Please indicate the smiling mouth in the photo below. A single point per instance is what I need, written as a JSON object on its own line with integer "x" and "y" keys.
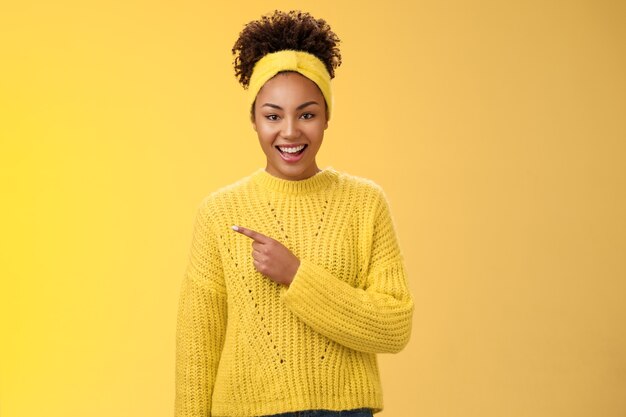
{"x": 291, "y": 150}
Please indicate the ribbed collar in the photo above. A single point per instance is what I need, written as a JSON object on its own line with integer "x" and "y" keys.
{"x": 320, "y": 180}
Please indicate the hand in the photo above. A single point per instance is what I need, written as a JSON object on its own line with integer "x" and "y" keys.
{"x": 271, "y": 258}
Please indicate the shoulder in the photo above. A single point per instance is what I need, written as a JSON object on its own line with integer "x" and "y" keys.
{"x": 224, "y": 197}
{"x": 367, "y": 197}
{"x": 228, "y": 192}
{"x": 361, "y": 187}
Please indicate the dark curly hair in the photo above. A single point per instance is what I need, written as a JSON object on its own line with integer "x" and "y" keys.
{"x": 275, "y": 32}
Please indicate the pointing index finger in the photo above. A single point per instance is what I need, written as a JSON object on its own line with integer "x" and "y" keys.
{"x": 256, "y": 236}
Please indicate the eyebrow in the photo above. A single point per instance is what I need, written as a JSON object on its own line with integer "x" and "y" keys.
{"x": 300, "y": 107}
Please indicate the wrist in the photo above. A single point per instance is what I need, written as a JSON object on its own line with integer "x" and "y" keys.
{"x": 292, "y": 275}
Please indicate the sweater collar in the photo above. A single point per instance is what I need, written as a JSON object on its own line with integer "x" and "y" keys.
{"x": 320, "y": 180}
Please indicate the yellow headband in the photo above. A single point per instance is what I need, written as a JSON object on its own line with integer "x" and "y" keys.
{"x": 287, "y": 60}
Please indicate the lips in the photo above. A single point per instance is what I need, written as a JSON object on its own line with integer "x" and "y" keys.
{"x": 291, "y": 153}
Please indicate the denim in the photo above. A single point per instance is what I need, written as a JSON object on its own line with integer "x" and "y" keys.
{"x": 360, "y": 412}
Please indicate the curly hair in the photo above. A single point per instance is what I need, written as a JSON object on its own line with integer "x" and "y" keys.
{"x": 295, "y": 30}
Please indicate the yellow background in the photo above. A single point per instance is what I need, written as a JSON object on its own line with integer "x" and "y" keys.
{"x": 497, "y": 129}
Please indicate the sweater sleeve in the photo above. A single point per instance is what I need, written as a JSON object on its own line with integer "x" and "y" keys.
{"x": 374, "y": 319}
{"x": 201, "y": 323}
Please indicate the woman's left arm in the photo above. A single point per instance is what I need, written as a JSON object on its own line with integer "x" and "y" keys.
{"x": 376, "y": 318}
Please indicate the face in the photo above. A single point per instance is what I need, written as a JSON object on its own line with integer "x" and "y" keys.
{"x": 290, "y": 119}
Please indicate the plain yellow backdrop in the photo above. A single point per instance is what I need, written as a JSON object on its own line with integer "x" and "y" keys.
{"x": 496, "y": 128}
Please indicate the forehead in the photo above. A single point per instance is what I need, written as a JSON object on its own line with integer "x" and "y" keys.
{"x": 287, "y": 87}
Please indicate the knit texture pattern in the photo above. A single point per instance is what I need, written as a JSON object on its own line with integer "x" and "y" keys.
{"x": 246, "y": 346}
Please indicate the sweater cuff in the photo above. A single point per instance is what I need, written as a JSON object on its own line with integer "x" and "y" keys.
{"x": 369, "y": 320}
{"x": 309, "y": 280}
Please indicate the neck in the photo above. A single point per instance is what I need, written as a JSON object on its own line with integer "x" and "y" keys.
{"x": 297, "y": 177}
{"x": 321, "y": 179}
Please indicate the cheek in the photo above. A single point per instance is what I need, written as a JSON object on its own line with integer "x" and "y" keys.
{"x": 265, "y": 134}
{"x": 317, "y": 132}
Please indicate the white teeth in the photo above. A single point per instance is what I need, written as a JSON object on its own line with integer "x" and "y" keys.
{"x": 291, "y": 149}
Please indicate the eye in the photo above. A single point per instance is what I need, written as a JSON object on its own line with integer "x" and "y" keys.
{"x": 272, "y": 117}
{"x": 307, "y": 116}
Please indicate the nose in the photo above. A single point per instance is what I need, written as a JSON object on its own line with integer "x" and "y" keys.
{"x": 290, "y": 129}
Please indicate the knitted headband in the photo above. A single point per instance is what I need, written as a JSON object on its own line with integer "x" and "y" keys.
{"x": 288, "y": 60}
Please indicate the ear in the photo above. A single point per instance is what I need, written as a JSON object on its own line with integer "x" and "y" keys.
{"x": 326, "y": 115}
{"x": 252, "y": 118}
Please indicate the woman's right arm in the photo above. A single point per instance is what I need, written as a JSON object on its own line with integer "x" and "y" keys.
{"x": 201, "y": 322}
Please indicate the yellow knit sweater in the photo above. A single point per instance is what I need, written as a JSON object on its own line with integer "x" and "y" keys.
{"x": 246, "y": 346}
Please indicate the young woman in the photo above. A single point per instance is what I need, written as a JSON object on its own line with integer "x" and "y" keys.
{"x": 295, "y": 279}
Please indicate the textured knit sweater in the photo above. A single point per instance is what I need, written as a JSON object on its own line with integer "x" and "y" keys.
{"x": 246, "y": 346}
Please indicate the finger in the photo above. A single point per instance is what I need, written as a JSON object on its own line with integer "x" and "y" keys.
{"x": 257, "y": 265}
{"x": 256, "y": 236}
{"x": 259, "y": 256}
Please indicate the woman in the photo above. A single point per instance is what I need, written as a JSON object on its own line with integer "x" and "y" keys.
{"x": 295, "y": 279}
